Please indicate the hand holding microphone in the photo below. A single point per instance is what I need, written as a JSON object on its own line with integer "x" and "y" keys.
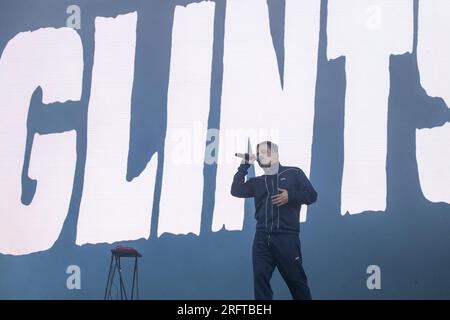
{"x": 247, "y": 158}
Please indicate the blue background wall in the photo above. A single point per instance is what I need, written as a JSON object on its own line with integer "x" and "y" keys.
{"x": 410, "y": 241}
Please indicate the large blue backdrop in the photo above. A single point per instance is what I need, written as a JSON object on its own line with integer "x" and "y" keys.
{"x": 409, "y": 241}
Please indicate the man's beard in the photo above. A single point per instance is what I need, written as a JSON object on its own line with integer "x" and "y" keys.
{"x": 271, "y": 167}
{"x": 267, "y": 165}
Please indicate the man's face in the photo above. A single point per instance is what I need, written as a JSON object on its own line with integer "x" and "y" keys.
{"x": 264, "y": 155}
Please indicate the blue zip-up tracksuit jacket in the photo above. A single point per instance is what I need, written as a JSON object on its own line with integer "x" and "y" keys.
{"x": 271, "y": 218}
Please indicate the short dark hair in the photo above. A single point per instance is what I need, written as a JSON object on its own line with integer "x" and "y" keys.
{"x": 272, "y": 146}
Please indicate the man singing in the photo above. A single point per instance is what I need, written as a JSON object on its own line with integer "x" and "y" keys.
{"x": 278, "y": 194}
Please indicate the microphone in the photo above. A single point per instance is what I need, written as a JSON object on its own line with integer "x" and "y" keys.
{"x": 245, "y": 156}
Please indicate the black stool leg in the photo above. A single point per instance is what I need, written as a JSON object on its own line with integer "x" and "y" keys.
{"x": 122, "y": 285}
{"x": 112, "y": 276}
{"x": 108, "y": 284}
{"x": 135, "y": 279}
